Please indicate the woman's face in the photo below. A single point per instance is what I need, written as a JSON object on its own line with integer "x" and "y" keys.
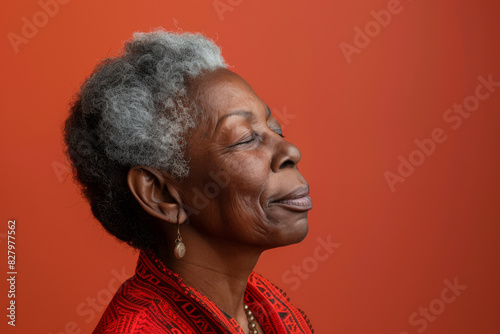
{"x": 243, "y": 184}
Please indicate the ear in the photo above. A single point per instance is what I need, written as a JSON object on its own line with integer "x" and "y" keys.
{"x": 157, "y": 193}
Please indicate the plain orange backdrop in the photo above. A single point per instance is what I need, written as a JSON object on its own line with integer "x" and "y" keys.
{"x": 352, "y": 120}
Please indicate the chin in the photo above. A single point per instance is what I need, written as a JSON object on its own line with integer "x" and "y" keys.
{"x": 292, "y": 234}
{"x": 302, "y": 231}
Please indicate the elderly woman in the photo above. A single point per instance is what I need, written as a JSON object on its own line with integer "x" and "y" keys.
{"x": 180, "y": 159}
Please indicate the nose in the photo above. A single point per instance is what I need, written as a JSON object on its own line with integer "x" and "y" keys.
{"x": 286, "y": 155}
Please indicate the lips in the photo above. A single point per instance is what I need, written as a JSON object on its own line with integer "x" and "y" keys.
{"x": 296, "y": 200}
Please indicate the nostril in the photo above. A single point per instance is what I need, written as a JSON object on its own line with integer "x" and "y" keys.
{"x": 287, "y": 163}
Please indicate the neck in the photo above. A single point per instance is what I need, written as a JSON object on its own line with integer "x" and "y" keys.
{"x": 216, "y": 268}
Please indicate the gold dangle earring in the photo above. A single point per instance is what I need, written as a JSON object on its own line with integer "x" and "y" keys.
{"x": 179, "y": 249}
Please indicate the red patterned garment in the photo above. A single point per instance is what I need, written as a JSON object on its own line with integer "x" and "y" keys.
{"x": 155, "y": 300}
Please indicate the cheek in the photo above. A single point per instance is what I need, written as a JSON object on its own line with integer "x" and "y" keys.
{"x": 250, "y": 174}
{"x": 240, "y": 201}
{"x": 247, "y": 182}
{"x": 244, "y": 217}
{"x": 228, "y": 189}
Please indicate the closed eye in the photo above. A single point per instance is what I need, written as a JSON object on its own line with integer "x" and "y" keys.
{"x": 246, "y": 141}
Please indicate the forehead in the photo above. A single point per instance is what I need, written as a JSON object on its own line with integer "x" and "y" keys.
{"x": 222, "y": 91}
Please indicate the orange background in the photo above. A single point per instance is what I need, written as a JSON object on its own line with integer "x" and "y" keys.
{"x": 394, "y": 249}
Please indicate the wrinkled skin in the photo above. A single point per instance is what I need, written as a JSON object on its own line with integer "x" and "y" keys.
{"x": 239, "y": 144}
{"x": 244, "y": 193}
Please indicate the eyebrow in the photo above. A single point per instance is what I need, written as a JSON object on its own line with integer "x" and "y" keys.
{"x": 243, "y": 113}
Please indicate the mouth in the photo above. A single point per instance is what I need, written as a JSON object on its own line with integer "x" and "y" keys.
{"x": 297, "y": 200}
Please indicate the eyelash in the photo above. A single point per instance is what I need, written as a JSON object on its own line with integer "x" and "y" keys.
{"x": 254, "y": 136}
{"x": 248, "y": 141}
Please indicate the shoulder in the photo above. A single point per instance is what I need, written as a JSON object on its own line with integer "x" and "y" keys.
{"x": 139, "y": 321}
{"x": 139, "y": 308}
{"x": 145, "y": 305}
{"x": 129, "y": 307}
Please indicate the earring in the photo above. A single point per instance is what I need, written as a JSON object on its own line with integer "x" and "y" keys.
{"x": 179, "y": 249}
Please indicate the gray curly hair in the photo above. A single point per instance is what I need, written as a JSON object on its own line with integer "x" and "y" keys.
{"x": 134, "y": 110}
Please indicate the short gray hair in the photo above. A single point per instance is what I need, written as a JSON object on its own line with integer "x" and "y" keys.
{"x": 135, "y": 110}
{"x": 141, "y": 98}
